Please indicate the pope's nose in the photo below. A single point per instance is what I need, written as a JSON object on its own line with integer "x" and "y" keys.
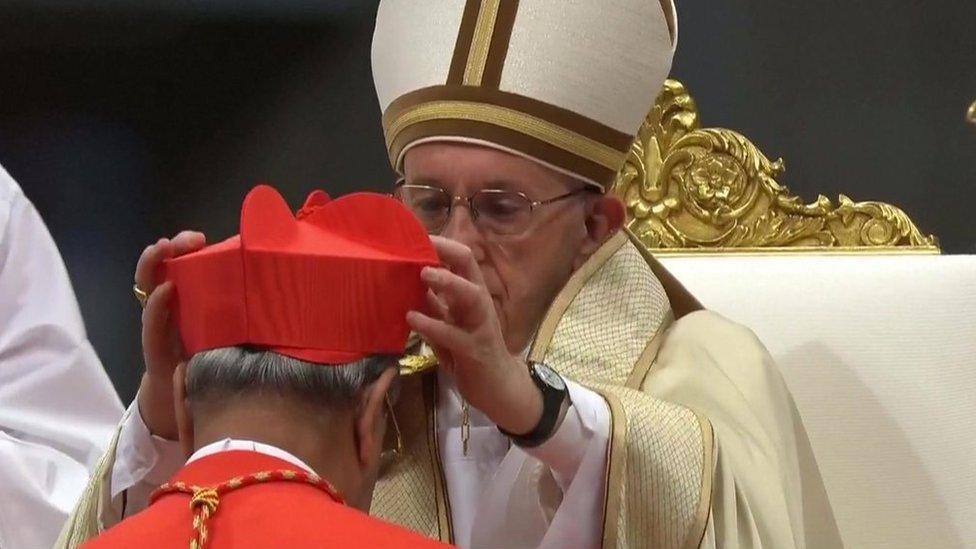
{"x": 461, "y": 227}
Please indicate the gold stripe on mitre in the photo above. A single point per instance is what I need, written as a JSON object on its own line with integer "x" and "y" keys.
{"x": 481, "y": 43}
{"x": 521, "y": 122}
{"x": 555, "y": 136}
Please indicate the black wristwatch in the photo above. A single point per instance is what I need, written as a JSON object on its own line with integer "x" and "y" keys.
{"x": 555, "y": 400}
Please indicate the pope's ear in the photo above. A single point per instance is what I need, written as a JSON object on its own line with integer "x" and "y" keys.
{"x": 605, "y": 215}
{"x": 370, "y": 420}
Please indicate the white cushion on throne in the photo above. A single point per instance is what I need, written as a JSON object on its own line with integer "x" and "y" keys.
{"x": 880, "y": 354}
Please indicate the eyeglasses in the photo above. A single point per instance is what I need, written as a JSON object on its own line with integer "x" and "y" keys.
{"x": 492, "y": 210}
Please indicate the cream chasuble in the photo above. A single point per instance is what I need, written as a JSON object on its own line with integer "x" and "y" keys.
{"x": 704, "y": 448}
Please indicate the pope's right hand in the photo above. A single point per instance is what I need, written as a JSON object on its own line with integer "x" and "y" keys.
{"x": 161, "y": 347}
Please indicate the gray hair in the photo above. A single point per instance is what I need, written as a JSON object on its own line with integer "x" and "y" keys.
{"x": 241, "y": 371}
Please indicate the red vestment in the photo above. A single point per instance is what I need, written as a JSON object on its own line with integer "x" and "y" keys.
{"x": 266, "y": 515}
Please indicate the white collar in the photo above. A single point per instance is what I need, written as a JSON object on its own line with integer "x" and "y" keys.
{"x": 229, "y": 444}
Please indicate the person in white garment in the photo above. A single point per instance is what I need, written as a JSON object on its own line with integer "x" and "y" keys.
{"x": 58, "y": 409}
{"x": 581, "y": 397}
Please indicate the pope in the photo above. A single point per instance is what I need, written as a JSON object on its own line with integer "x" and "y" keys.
{"x": 582, "y": 397}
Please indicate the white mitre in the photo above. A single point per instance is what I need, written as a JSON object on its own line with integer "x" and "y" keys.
{"x": 564, "y": 82}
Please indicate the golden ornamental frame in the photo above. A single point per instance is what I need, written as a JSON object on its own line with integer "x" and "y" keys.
{"x": 692, "y": 189}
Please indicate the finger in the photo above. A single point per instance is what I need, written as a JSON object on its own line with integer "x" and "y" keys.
{"x": 458, "y": 258}
{"x": 437, "y": 333}
{"x": 188, "y": 241}
{"x": 436, "y": 307}
{"x": 152, "y": 257}
{"x": 158, "y": 332}
{"x": 464, "y": 299}
{"x": 148, "y": 264}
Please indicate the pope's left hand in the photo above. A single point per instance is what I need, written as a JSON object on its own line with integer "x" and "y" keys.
{"x": 462, "y": 328}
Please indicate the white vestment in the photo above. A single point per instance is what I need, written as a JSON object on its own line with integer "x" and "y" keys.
{"x": 58, "y": 409}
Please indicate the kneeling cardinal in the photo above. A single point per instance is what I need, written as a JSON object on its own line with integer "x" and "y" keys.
{"x": 294, "y": 328}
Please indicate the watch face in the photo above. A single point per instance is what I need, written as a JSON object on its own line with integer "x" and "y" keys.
{"x": 549, "y": 376}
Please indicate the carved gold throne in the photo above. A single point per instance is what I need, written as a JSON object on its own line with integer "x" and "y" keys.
{"x": 870, "y": 326}
{"x": 689, "y": 188}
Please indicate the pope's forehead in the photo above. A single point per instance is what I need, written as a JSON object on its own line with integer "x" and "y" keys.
{"x": 476, "y": 166}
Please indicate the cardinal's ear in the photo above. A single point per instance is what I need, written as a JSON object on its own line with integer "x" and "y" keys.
{"x": 266, "y": 218}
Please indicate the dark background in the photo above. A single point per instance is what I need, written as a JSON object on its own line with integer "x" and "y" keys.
{"x": 127, "y": 120}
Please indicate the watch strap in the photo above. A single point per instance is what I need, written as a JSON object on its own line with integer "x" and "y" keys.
{"x": 552, "y": 408}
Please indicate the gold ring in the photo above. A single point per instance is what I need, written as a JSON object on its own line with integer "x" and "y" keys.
{"x": 142, "y": 296}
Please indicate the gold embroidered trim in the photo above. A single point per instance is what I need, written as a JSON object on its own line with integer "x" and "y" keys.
{"x": 540, "y": 345}
{"x": 616, "y": 464}
{"x": 445, "y": 526}
{"x": 510, "y": 119}
{"x": 481, "y": 43}
{"x": 648, "y": 356}
{"x": 697, "y": 530}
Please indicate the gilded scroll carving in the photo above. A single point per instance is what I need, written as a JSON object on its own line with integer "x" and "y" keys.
{"x": 692, "y": 188}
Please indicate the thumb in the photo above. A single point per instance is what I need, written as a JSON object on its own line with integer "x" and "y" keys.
{"x": 158, "y": 333}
